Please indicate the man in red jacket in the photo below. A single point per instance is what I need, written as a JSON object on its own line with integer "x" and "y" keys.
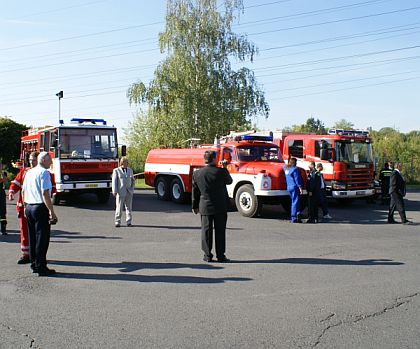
{"x": 15, "y": 187}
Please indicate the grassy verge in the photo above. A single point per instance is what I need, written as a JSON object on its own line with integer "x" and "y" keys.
{"x": 413, "y": 186}
{"x": 141, "y": 185}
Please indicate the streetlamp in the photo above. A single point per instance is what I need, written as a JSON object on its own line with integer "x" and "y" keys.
{"x": 59, "y": 95}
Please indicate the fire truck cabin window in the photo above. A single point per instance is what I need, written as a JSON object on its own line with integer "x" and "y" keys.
{"x": 322, "y": 145}
{"x": 296, "y": 148}
{"x": 259, "y": 153}
{"x": 87, "y": 143}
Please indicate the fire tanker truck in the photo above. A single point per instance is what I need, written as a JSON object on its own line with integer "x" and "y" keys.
{"x": 83, "y": 153}
{"x": 253, "y": 161}
{"x": 346, "y": 156}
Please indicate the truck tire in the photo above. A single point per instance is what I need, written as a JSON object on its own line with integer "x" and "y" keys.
{"x": 55, "y": 200}
{"x": 247, "y": 202}
{"x": 177, "y": 191}
{"x": 162, "y": 188}
{"x": 103, "y": 196}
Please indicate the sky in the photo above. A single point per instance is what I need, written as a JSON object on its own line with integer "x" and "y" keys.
{"x": 327, "y": 59}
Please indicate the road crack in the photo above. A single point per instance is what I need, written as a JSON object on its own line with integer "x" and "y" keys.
{"x": 11, "y": 329}
{"x": 399, "y": 301}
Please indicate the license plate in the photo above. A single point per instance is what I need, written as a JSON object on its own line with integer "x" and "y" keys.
{"x": 91, "y": 185}
{"x": 360, "y": 193}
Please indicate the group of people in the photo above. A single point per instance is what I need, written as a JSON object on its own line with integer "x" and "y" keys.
{"x": 315, "y": 187}
{"x": 34, "y": 185}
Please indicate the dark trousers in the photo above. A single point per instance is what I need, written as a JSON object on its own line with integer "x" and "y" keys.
{"x": 218, "y": 221}
{"x": 314, "y": 201}
{"x": 396, "y": 203}
{"x": 39, "y": 234}
{"x": 3, "y": 221}
{"x": 323, "y": 202}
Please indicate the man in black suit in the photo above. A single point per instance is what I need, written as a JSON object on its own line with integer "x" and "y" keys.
{"x": 397, "y": 192}
{"x": 210, "y": 198}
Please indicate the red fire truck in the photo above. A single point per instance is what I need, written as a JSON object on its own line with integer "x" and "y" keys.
{"x": 346, "y": 156}
{"x": 254, "y": 162}
{"x": 84, "y": 153}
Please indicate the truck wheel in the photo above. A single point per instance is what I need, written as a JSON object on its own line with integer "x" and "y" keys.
{"x": 177, "y": 191}
{"x": 285, "y": 203}
{"x": 162, "y": 188}
{"x": 103, "y": 196}
{"x": 55, "y": 200}
{"x": 246, "y": 202}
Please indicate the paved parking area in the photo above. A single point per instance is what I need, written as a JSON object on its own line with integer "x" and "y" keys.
{"x": 350, "y": 283}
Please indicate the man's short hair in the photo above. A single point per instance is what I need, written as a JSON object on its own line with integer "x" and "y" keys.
{"x": 42, "y": 155}
{"x": 319, "y": 165}
{"x": 209, "y": 156}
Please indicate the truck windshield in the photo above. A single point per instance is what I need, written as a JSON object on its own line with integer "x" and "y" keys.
{"x": 83, "y": 143}
{"x": 259, "y": 153}
{"x": 356, "y": 152}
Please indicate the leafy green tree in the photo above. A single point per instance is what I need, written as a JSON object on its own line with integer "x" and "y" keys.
{"x": 344, "y": 124}
{"x": 195, "y": 91}
{"x": 10, "y": 133}
{"x": 310, "y": 126}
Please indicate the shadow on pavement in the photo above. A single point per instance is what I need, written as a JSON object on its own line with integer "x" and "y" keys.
{"x": 61, "y": 234}
{"x": 323, "y": 261}
{"x": 175, "y": 279}
{"x": 128, "y": 267}
{"x": 13, "y": 236}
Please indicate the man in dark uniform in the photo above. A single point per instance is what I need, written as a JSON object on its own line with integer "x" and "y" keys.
{"x": 210, "y": 198}
{"x": 314, "y": 192}
{"x": 3, "y": 220}
{"x": 384, "y": 177}
{"x": 397, "y": 192}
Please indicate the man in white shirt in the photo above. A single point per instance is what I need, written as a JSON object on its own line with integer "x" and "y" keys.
{"x": 39, "y": 211}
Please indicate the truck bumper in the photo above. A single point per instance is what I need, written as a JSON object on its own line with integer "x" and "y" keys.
{"x": 66, "y": 187}
{"x": 274, "y": 192}
{"x": 343, "y": 194}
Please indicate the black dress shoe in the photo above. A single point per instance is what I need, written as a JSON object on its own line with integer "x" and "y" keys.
{"x": 391, "y": 221}
{"x": 117, "y": 225}
{"x": 3, "y": 233}
{"x": 407, "y": 222}
{"x": 23, "y": 260}
{"x": 223, "y": 260}
{"x": 46, "y": 272}
{"x": 207, "y": 259}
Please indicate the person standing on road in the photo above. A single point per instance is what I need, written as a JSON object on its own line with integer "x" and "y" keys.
{"x": 294, "y": 187}
{"x": 210, "y": 198}
{"x": 15, "y": 187}
{"x": 397, "y": 191}
{"x": 322, "y": 194}
{"x": 314, "y": 189}
{"x": 3, "y": 219}
{"x": 123, "y": 190}
{"x": 39, "y": 211}
{"x": 384, "y": 177}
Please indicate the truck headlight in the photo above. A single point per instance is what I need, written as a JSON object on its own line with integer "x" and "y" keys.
{"x": 338, "y": 186}
{"x": 66, "y": 177}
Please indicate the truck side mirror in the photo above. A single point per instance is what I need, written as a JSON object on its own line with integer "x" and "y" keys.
{"x": 123, "y": 150}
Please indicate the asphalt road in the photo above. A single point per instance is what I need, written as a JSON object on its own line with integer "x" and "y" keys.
{"x": 350, "y": 283}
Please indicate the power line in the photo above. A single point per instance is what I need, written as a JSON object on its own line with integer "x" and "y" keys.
{"x": 81, "y": 36}
{"x": 311, "y": 13}
{"x": 344, "y": 89}
{"x": 57, "y": 10}
{"x": 267, "y": 4}
{"x": 336, "y": 21}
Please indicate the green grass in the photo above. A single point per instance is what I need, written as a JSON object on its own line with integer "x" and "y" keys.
{"x": 140, "y": 184}
{"x": 413, "y": 186}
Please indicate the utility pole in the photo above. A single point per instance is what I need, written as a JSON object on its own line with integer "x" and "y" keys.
{"x": 59, "y": 95}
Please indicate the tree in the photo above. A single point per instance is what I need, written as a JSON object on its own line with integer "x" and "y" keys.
{"x": 310, "y": 126}
{"x": 10, "y": 133}
{"x": 195, "y": 91}
{"x": 344, "y": 124}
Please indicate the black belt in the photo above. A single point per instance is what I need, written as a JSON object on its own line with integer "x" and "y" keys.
{"x": 35, "y": 204}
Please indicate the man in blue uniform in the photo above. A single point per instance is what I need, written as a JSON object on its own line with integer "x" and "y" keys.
{"x": 294, "y": 187}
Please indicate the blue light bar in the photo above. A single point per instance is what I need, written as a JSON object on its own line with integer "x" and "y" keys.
{"x": 92, "y": 121}
{"x": 257, "y": 138}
